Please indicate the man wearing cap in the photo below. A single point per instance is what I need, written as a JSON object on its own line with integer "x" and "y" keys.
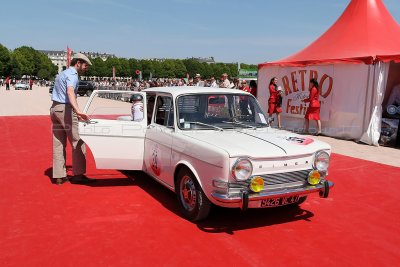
{"x": 198, "y": 81}
{"x": 65, "y": 114}
{"x": 225, "y": 83}
{"x": 213, "y": 82}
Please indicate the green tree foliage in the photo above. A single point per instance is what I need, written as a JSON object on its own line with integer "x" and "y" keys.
{"x": 99, "y": 68}
{"x": 25, "y": 61}
{"x": 5, "y": 59}
{"x": 46, "y": 69}
{"x": 28, "y": 61}
{"x": 134, "y": 65}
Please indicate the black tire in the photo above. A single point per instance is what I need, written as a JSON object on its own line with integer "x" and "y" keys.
{"x": 193, "y": 202}
{"x": 89, "y": 92}
{"x": 81, "y": 94}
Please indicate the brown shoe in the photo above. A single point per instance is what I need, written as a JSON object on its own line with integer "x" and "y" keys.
{"x": 60, "y": 181}
{"x": 82, "y": 179}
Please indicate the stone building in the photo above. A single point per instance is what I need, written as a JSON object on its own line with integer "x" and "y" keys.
{"x": 59, "y": 58}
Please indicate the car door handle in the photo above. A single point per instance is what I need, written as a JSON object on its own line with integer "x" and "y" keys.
{"x": 90, "y": 122}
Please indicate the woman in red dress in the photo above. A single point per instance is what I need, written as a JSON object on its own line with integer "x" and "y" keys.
{"x": 274, "y": 101}
{"x": 314, "y": 108}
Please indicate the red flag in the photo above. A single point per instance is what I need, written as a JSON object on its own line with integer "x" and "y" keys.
{"x": 69, "y": 51}
{"x": 113, "y": 73}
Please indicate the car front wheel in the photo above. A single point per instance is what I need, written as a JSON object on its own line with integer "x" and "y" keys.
{"x": 89, "y": 92}
{"x": 192, "y": 200}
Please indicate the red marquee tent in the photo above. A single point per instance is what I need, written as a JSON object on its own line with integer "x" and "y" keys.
{"x": 351, "y": 61}
{"x": 365, "y": 32}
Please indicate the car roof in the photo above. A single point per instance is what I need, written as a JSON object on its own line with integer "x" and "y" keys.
{"x": 179, "y": 90}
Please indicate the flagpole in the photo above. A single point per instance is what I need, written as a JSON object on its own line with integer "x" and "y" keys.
{"x": 68, "y": 57}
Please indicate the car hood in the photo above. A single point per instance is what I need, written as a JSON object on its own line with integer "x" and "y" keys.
{"x": 260, "y": 143}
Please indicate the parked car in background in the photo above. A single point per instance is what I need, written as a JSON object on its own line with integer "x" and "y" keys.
{"x": 211, "y": 146}
{"x": 84, "y": 88}
{"x": 21, "y": 86}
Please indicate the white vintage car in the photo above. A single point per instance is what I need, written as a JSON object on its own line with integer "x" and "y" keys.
{"x": 21, "y": 86}
{"x": 208, "y": 145}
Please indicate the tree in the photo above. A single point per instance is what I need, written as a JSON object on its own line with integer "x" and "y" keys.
{"x": 134, "y": 65}
{"x": 180, "y": 69}
{"x": 5, "y": 59}
{"x": 25, "y": 57}
{"x": 192, "y": 66}
{"x": 46, "y": 69}
{"x": 98, "y": 68}
{"x": 14, "y": 67}
{"x": 147, "y": 68}
{"x": 28, "y": 61}
{"x": 124, "y": 68}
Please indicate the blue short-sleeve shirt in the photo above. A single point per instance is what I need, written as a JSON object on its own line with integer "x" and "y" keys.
{"x": 68, "y": 77}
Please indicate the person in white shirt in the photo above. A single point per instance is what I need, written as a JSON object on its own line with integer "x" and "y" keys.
{"x": 198, "y": 81}
{"x": 225, "y": 82}
{"x": 213, "y": 83}
{"x": 137, "y": 107}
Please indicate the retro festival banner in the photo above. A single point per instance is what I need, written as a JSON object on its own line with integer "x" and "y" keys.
{"x": 295, "y": 83}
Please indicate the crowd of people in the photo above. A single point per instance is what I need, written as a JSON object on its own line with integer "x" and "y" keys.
{"x": 9, "y": 82}
{"x": 275, "y": 93}
{"x": 197, "y": 80}
{"x": 274, "y": 101}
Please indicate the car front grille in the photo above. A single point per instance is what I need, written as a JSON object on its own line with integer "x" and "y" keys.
{"x": 286, "y": 177}
{"x": 275, "y": 181}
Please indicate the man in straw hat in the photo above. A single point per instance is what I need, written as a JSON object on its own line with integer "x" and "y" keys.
{"x": 225, "y": 83}
{"x": 65, "y": 114}
{"x": 198, "y": 81}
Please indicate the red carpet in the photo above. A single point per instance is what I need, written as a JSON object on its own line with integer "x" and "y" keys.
{"x": 127, "y": 222}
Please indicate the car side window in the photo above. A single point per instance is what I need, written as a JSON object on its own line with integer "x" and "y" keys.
{"x": 151, "y": 99}
{"x": 164, "y": 111}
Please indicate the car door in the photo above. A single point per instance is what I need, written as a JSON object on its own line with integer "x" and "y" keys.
{"x": 116, "y": 141}
{"x": 158, "y": 142}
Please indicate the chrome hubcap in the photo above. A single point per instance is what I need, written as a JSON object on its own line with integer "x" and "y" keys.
{"x": 188, "y": 194}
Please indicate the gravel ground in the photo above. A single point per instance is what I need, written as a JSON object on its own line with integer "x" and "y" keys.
{"x": 38, "y": 102}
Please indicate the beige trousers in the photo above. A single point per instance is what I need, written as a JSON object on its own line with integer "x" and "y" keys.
{"x": 65, "y": 125}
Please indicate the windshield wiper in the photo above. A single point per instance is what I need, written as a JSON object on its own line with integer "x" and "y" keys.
{"x": 205, "y": 124}
{"x": 240, "y": 123}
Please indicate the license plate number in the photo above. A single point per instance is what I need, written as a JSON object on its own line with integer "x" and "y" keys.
{"x": 279, "y": 201}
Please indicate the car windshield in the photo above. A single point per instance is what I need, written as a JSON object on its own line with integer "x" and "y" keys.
{"x": 219, "y": 111}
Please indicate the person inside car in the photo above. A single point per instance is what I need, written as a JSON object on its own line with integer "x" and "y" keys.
{"x": 137, "y": 107}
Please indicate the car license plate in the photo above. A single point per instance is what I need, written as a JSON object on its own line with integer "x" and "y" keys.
{"x": 279, "y": 201}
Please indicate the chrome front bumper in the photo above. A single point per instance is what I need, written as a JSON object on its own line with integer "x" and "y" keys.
{"x": 246, "y": 199}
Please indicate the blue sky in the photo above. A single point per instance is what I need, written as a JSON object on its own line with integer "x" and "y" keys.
{"x": 250, "y": 31}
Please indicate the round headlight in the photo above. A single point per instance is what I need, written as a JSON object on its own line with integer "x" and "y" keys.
{"x": 321, "y": 161}
{"x": 242, "y": 169}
